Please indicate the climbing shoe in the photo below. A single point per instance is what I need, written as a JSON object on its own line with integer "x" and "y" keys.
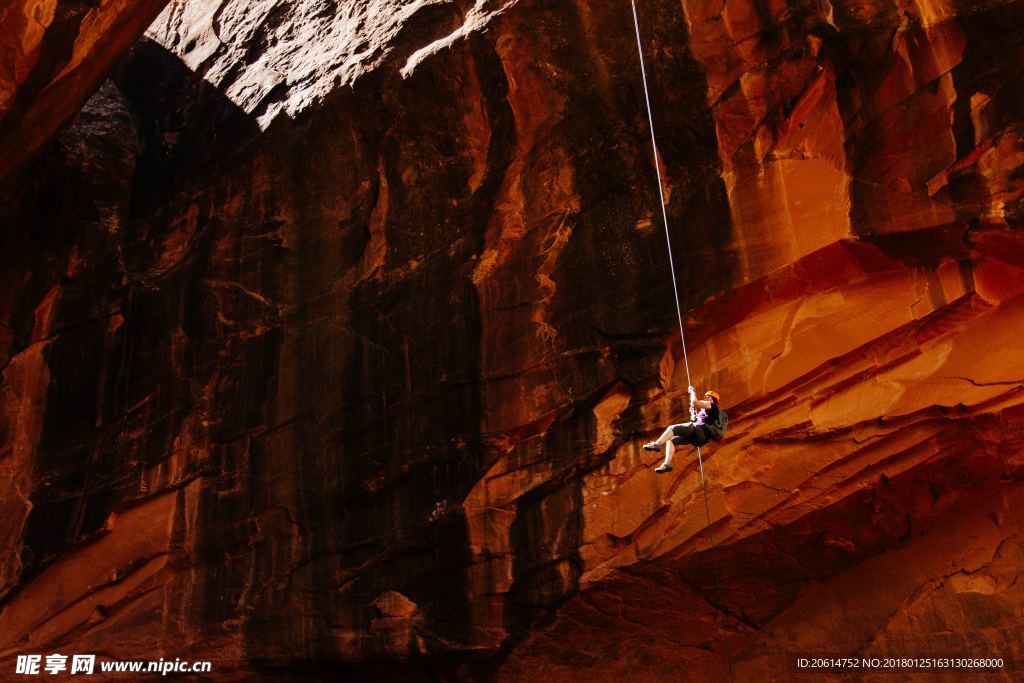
{"x": 664, "y": 469}
{"x": 651, "y": 446}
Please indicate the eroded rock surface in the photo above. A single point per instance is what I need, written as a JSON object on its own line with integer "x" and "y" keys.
{"x": 337, "y": 350}
{"x": 272, "y": 57}
{"x": 53, "y": 56}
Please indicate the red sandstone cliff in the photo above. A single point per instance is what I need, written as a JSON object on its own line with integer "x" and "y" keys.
{"x": 330, "y": 332}
{"x": 53, "y": 56}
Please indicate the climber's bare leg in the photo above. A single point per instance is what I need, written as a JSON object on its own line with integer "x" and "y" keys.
{"x": 666, "y": 436}
{"x": 670, "y": 451}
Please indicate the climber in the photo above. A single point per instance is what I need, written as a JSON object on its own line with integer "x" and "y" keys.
{"x": 710, "y": 423}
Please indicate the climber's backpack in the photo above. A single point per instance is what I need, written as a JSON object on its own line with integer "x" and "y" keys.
{"x": 717, "y": 428}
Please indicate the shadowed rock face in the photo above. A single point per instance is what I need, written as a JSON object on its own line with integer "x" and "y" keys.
{"x": 53, "y": 56}
{"x": 330, "y": 332}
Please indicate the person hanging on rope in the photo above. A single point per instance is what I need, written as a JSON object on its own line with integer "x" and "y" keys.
{"x": 709, "y": 423}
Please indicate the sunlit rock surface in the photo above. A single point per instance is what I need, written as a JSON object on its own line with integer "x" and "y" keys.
{"x": 331, "y": 331}
{"x": 272, "y": 57}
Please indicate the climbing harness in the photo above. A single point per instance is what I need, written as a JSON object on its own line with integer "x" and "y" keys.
{"x": 679, "y": 314}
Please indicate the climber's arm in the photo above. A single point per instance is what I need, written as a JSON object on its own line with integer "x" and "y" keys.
{"x": 697, "y": 402}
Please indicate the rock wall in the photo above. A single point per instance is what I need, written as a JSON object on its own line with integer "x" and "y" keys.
{"x": 331, "y": 331}
{"x": 53, "y": 55}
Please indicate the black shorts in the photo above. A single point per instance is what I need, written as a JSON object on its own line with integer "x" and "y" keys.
{"x": 689, "y": 434}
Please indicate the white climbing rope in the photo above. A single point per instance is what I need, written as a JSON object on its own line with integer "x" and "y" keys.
{"x": 679, "y": 309}
{"x": 661, "y": 192}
